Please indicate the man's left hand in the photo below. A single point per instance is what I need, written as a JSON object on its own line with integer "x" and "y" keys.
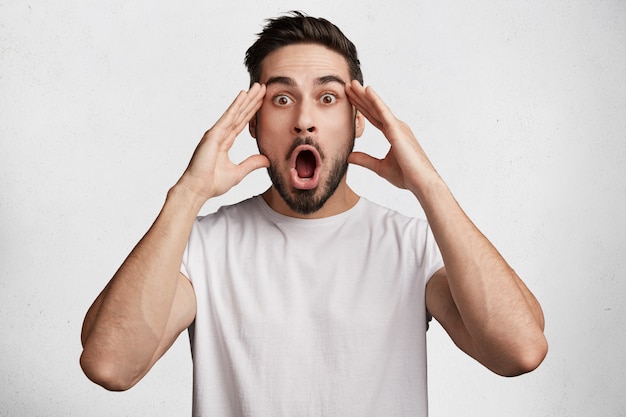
{"x": 405, "y": 165}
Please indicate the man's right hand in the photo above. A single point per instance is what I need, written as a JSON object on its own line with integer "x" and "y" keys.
{"x": 211, "y": 172}
{"x": 148, "y": 302}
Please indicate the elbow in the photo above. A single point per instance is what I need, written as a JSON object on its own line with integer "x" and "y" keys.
{"x": 105, "y": 373}
{"x": 526, "y": 360}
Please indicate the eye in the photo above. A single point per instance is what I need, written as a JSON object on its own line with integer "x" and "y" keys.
{"x": 328, "y": 98}
{"x": 282, "y": 100}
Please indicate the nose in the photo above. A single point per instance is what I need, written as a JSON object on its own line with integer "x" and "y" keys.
{"x": 304, "y": 120}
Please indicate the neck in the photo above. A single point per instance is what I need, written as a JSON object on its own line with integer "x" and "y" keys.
{"x": 343, "y": 199}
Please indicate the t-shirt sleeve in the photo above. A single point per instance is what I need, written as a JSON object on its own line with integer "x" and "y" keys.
{"x": 431, "y": 260}
{"x": 184, "y": 265}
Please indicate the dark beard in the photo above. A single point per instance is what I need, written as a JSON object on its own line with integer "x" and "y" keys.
{"x": 309, "y": 201}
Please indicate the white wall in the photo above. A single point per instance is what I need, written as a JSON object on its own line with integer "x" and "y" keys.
{"x": 521, "y": 106}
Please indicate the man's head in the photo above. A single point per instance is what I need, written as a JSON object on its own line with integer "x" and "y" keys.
{"x": 306, "y": 125}
{"x": 298, "y": 28}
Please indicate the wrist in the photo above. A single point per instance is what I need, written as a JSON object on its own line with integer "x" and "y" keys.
{"x": 427, "y": 184}
{"x": 187, "y": 195}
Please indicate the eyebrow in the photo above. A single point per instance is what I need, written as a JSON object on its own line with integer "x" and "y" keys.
{"x": 327, "y": 79}
{"x": 287, "y": 81}
{"x": 290, "y": 82}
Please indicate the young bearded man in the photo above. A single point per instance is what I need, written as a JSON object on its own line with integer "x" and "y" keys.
{"x": 308, "y": 299}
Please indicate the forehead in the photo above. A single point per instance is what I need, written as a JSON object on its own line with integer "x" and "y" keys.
{"x": 304, "y": 61}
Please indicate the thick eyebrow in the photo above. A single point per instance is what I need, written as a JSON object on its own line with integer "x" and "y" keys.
{"x": 290, "y": 82}
{"x": 327, "y": 79}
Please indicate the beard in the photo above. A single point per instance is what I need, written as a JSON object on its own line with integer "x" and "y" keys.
{"x": 309, "y": 201}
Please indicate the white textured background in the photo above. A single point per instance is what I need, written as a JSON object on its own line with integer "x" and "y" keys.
{"x": 520, "y": 105}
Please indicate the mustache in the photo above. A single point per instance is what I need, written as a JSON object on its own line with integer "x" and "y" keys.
{"x": 299, "y": 141}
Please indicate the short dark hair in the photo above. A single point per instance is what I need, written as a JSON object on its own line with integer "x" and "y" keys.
{"x": 298, "y": 28}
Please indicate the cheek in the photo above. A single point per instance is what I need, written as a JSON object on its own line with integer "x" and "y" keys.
{"x": 341, "y": 118}
{"x": 267, "y": 139}
{"x": 271, "y": 122}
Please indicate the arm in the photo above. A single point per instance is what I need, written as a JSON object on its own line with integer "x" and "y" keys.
{"x": 148, "y": 302}
{"x": 480, "y": 301}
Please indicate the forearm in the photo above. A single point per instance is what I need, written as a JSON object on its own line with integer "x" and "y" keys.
{"x": 499, "y": 312}
{"x": 484, "y": 306}
{"x": 125, "y": 326}
{"x": 148, "y": 302}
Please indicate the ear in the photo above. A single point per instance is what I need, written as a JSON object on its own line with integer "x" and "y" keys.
{"x": 359, "y": 124}
{"x": 252, "y": 126}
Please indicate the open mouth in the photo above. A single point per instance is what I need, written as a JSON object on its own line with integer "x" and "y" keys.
{"x": 305, "y": 165}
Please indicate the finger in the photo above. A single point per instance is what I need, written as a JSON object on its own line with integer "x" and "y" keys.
{"x": 365, "y": 111}
{"x": 380, "y": 107}
{"x": 253, "y": 104}
{"x": 252, "y": 163}
{"x": 231, "y": 112}
{"x": 253, "y": 97}
{"x": 359, "y": 98}
{"x": 364, "y": 160}
{"x": 356, "y": 95}
{"x": 240, "y": 112}
{"x": 239, "y": 105}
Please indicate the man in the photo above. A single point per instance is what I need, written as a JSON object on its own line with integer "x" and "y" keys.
{"x": 308, "y": 299}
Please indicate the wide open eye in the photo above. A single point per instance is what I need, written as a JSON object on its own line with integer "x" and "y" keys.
{"x": 328, "y": 98}
{"x": 282, "y": 100}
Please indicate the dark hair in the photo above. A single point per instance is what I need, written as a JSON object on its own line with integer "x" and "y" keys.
{"x": 298, "y": 28}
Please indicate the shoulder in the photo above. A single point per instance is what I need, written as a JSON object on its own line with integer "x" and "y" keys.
{"x": 388, "y": 217}
{"x": 409, "y": 233}
{"x": 228, "y": 219}
{"x": 242, "y": 209}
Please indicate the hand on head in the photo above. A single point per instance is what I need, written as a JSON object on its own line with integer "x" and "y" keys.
{"x": 211, "y": 172}
{"x": 405, "y": 165}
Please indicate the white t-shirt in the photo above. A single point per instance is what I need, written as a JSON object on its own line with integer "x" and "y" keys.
{"x": 322, "y": 317}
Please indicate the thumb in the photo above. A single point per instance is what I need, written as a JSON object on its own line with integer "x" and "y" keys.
{"x": 253, "y": 163}
{"x": 364, "y": 160}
